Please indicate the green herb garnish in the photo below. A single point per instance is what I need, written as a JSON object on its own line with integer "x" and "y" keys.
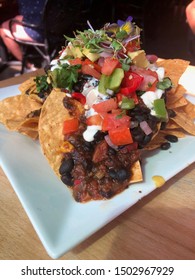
{"x": 64, "y": 76}
{"x": 41, "y": 83}
{"x": 165, "y": 84}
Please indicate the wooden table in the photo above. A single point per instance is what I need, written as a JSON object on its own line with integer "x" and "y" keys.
{"x": 160, "y": 226}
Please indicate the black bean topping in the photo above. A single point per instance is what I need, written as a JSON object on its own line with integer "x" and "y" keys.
{"x": 165, "y": 146}
{"x": 163, "y": 125}
{"x": 171, "y": 138}
{"x": 138, "y": 138}
{"x": 66, "y": 166}
{"x": 122, "y": 174}
{"x": 140, "y": 118}
{"x": 147, "y": 139}
{"x": 67, "y": 179}
{"x": 112, "y": 173}
{"x": 78, "y": 87}
{"x": 107, "y": 194}
{"x": 171, "y": 113}
{"x": 41, "y": 94}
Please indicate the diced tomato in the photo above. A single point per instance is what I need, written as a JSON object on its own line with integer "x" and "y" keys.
{"x": 70, "y": 125}
{"x": 106, "y": 106}
{"x": 80, "y": 97}
{"x": 120, "y": 136}
{"x": 94, "y": 120}
{"x": 87, "y": 61}
{"x": 131, "y": 80}
{"x": 109, "y": 65}
{"x": 75, "y": 61}
{"x": 112, "y": 121}
{"x": 149, "y": 77}
{"x": 89, "y": 69}
{"x": 93, "y": 64}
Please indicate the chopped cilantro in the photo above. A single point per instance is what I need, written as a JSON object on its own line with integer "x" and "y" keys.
{"x": 41, "y": 83}
{"x": 64, "y": 76}
{"x": 126, "y": 63}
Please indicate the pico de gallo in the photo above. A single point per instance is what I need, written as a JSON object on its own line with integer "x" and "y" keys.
{"x": 124, "y": 96}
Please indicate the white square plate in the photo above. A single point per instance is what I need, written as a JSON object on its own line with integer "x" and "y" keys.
{"x": 60, "y": 222}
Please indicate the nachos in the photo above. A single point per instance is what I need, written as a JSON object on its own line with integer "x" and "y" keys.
{"x": 100, "y": 104}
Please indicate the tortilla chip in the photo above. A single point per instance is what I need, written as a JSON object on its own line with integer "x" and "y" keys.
{"x": 30, "y": 133}
{"x": 172, "y": 125}
{"x": 174, "y": 68}
{"x": 189, "y": 109}
{"x": 176, "y": 132}
{"x": 14, "y": 114}
{"x": 28, "y": 85}
{"x": 156, "y": 142}
{"x": 183, "y": 120}
{"x": 17, "y": 108}
{"x": 51, "y": 122}
{"x": 136, "y": 171}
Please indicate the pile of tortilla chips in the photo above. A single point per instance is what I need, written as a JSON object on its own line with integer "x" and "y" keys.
{"x": 29, "y": 115}
{"x": 21, "y": 113}
{"x": 183, "y": 122}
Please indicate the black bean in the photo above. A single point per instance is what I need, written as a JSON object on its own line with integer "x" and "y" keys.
{"x": 165, "y": 146}
{"x": 138, "y": 138}
{"x": 147, "y": 139}
{"x": 112, "y": 173}
{"x": 66, "y": 166}
{"x": 111, "y": 151}
{"x": 67, "y": 179}
{"x": 87, "y": 146}
{"x": 107, "y": 194}
{"x": 153, "y": 118}
{"x": 122, "y": 174}
{"x": 140, "y": 118}
{"x": 163, "y": 125}
{"x": 78, "y": 87}
{"x": 171, "y": 138}
{"x": 171, "y": 113}
{"x": 41, "y": 94}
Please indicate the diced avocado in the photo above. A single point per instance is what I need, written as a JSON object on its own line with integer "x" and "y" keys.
{"x": 92, "y": 56}
{"x": 76, "y": 52}
{"x": 139, "y": 58}
{"x": 103, "y": 84}
{"x": 115, "y": 79}
{"x": 160, "y": 109}
{"x": 111, "y": 82}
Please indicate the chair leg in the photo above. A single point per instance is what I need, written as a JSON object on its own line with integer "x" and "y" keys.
{"x": 24, "y": 57}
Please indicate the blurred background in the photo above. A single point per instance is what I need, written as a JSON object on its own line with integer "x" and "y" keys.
{"x": 165, "y": 31}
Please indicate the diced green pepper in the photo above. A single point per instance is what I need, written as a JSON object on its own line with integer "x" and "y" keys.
{"x": 127, "y": 103}
{"x": 160, "y": 109}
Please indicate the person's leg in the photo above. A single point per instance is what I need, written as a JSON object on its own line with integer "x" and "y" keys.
{"x": 8, "y": 39}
